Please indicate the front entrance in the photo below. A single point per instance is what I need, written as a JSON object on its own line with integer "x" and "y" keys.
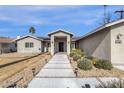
{"x": 61, "y": 46}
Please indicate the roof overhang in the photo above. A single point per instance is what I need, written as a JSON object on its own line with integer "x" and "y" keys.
{"x": 60, "y": 30}
{"x": 30, "y": 37}
{"x": 101, "y": 28}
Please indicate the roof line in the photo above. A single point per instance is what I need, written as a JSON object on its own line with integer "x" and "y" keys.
{"x": 28, "y": 36}
{"x": 60, "y": 30}
{"x": 101, "y": 28}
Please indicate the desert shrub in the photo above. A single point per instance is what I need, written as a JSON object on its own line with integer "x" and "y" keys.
{"x": 94, "y": 61}
{"x": 76, "y": 57}
{"x": 77, "y": 52}
{"x": 85, "y": 64}
{"x": 103, "y": 64}
{"x": 72, "y": 53}
{"x": 89, "y": 57}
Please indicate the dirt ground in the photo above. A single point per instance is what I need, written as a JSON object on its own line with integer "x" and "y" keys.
{"x": 10, "y": 57}
{"x": 8, "y": 71}
{"x": 95, "y": 72}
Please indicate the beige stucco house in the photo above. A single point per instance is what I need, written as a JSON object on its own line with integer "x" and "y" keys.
{"x": 29, "y": 44}
{"x": 106, "y": 42}
{"x": 58, "y": 41}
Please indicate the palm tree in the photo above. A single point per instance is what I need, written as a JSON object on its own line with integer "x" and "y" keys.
{"x": 32, "y": 30}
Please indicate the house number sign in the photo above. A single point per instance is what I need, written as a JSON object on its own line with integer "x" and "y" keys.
{"x": 118, "y": 39}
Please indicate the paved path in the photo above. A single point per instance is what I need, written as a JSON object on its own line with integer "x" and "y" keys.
{"x": 56, "y": 73}
{"x": 121, "y": 67}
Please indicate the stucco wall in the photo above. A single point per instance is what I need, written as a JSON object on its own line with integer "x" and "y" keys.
{"x": 36, "y": 49}
{"x": 117, "y": 50}
{"x": 60, "y": 34}
{"x": 97, "y": 45}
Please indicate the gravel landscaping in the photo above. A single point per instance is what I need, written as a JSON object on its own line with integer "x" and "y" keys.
{"x": 95, "y": 72}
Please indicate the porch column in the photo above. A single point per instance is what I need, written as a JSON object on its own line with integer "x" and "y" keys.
{"x": 52, "y": 45}
{"x": 68, "y": 44}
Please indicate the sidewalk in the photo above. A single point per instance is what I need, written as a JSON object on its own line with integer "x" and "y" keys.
{"x": 56, "y": 73}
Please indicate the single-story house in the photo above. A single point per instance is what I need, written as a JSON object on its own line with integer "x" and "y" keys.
{"x": 58, "y": 41}
{"x": 106, "y": 42}
{"x": 7, "y": 45}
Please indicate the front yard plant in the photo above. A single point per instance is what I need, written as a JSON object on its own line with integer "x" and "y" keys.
{"x": 85, "y": 64}
{"x": 103, "y": 64}
{"x": 77, "y": 57}
{"x": 76, "y": 51}
{"x": 89, "y": 66}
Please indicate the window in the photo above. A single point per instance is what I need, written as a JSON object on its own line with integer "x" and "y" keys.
{"x": 29, "y": 45}
{"x": 26, "y": 45}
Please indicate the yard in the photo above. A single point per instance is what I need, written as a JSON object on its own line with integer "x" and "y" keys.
{"x": 10, "y": 57}
{"x": 11, "y": 70}
{"x": 88, "y": 66}
{"x": 95, "y": 72}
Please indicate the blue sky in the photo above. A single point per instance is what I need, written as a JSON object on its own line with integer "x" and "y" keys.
{"x": 16, "y": 20}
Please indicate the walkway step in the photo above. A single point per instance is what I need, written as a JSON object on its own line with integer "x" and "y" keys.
{"x": 57, "y": 66}
{"x": 58, "y": 62}
{"x": 56, "y": 73}
{"x": 54, "y": 83}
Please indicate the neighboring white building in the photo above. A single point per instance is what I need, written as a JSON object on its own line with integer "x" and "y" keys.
{"x": 7, "y": 45}
{"x": 29, "y": 44}
{"x": 106, "y": 42}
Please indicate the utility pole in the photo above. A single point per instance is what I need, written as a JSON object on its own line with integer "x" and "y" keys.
{"x": 120, "y": 12}
{"x": 105, "y": 6}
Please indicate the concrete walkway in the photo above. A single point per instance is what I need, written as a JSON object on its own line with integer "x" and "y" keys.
{"x": 121, "y": 67}
{"x": 56, "y": 73}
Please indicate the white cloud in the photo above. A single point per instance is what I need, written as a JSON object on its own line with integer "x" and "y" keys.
{"x": 49, "y": 7}
{"x": 29, "y": 15}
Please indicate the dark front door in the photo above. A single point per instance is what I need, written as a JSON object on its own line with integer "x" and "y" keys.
{"x": 61, "y": 46}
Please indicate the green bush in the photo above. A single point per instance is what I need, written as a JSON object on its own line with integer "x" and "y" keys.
{"x": 89, "y": 57}
{"x": 76, "y": 52}
{"x": 76, "y": 57}
{"x": 103, "y": 64}
{"x": 85, "y": 64}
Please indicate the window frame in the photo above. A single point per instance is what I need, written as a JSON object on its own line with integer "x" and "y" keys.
{"x": 29, "y": 44}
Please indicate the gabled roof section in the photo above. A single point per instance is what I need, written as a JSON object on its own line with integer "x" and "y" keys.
{"x": 29, "y": 36}
{"x": 102, "y": 27}
{"x": 60, "y": 30}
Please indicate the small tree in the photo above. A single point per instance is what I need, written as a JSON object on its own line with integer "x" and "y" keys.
{"x": 32, "y": 30}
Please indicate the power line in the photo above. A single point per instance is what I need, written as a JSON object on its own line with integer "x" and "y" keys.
{"x": 120, "y": 12}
